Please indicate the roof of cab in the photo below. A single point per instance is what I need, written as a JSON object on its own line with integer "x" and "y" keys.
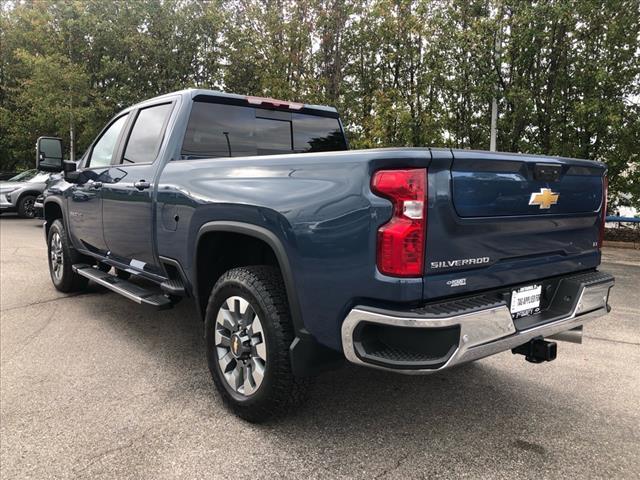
{"x": 196, "y": 92}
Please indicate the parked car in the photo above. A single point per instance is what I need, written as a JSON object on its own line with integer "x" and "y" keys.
{"x": 299, "y": 253}
{"x": 19, "y": 193}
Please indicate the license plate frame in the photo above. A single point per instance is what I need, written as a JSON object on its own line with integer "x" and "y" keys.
{"x": 525, "y": 301}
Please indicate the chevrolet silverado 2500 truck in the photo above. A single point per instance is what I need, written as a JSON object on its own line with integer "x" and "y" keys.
{"x": 299, "y": 253}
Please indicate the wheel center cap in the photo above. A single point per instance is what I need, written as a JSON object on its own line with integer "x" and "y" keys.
{"x": 237, "y": 349}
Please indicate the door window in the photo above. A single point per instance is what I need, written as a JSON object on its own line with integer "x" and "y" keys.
{"x": 146, "y": 134}
{"x": 105, "y": 146}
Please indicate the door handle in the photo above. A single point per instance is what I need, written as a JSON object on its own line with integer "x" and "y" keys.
{"x": 95, "y": 185}
{"x": 142, "y": 184}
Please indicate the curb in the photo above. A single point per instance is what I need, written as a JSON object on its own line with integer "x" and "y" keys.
{"x": 628, "y": 245}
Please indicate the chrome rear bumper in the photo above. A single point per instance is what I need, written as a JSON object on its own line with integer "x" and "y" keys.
{"x": 482, "y": 332}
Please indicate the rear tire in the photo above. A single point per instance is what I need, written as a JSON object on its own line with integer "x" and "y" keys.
{"x": 248, "y": 332}
{"x": 61, "y": 257}
{"x": 26, "y": 206}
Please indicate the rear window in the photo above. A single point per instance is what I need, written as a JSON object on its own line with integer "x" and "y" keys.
{"x": 218, "y": 130}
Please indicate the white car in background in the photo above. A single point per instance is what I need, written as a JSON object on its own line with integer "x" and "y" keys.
{"x": 19, "y": 193}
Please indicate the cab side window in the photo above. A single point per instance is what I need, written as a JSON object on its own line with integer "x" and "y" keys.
{"x": 146, "y": 134}
{"x": 103, "y": 149}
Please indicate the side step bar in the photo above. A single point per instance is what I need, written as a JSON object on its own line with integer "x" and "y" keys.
{"x": 174, "y": 287}
{"x": 138, "y": 294}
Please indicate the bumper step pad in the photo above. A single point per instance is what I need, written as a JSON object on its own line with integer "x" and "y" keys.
{"x": 447, "y": 333}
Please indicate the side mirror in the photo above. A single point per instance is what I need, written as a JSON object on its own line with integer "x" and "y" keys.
{"x": 49, "y": 154}
{"x": 70, "y": 173}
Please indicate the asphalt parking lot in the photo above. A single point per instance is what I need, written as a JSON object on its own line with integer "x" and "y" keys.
{"x": 95, "y": 386}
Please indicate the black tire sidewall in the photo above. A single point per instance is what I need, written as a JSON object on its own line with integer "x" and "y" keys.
{"x": 70, "y": 281}
{"x": 21, "y": 207}
{"x": 280, "y": 391}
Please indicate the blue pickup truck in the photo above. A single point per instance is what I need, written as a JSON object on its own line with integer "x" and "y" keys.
{"x": 299, "y": 253}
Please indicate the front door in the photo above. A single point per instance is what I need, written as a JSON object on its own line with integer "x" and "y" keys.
{"x": 128, "y": 198}
{"x": 85, "y": 197}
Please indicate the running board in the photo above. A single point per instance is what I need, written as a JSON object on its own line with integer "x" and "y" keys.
{"x": 132, "y": 291}
{"x": 174, "y": 287}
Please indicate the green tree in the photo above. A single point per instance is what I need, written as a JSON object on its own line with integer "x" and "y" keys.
{"x": 565, "y": 73}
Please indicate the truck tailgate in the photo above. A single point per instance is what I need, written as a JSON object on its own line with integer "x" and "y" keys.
{"x": 496, "y": 219}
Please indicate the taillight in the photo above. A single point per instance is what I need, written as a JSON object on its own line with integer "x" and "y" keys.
{"x": 401, "y": 240}
{"x": 603, "y": 212}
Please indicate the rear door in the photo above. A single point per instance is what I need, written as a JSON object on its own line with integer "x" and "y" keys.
{"x": 127, "y": 197}
{"x": 498, "y": 219}
{"x": 85, "y": 197}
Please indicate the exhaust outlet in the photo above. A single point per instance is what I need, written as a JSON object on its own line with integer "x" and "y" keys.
{"x": 574, "y": 335}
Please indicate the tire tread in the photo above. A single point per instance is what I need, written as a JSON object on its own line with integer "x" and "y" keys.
{"x": 71, "y": 281}
{"x": 287, "y": 390}
{"x": 21, "y": 202}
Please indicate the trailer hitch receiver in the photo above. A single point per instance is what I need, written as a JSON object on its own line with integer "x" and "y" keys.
{"x": 537, "y": 350}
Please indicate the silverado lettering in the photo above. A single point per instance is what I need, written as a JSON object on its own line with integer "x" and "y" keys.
{"x": 460, "y": 263}
{"x": 299, "y": 253}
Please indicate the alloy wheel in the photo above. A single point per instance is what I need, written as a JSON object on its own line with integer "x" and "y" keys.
{"x": 29, "y": 208}
{"x": 56, "y": 256}
{"x": 240, "y": 345}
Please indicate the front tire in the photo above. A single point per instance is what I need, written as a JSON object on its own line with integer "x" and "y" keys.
{"x": 61, "y": 258}
{"x": 26, "y": 206}
{"x": 248, "y": 332}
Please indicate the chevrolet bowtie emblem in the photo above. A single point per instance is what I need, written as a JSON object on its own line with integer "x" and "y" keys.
{"x": 544, "y": 199}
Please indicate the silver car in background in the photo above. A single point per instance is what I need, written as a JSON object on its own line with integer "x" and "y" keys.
{"x": 18, "y": 194}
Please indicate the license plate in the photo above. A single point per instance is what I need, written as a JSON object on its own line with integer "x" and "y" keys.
{"x": 525, "y": 301}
